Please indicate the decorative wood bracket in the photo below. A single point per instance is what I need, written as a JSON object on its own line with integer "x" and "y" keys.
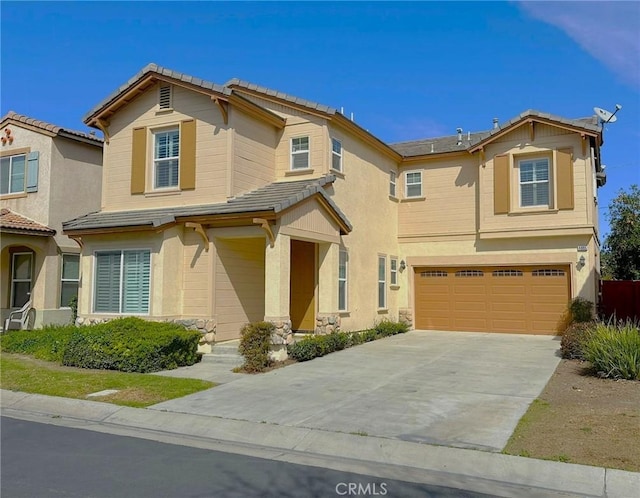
{"x": 104, "y": 128}
{"x": 584, "y": 144}
{"x": 78, "y": 240}
{"x": 264, "y": 224}
{"x": 198, "y": 228}
{"x": 482, "y": 158}
{"x": 224, "y": 110}
{"x": 532, "y": 130}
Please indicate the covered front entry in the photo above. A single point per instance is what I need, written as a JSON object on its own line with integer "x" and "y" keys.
{"x": 303, "y": 286}
{"x": 522, "y": 300}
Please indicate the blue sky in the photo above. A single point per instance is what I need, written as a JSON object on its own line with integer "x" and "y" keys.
{"x": 405, "y": 70}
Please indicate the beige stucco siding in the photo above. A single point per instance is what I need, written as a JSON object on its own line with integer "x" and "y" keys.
{"x": 253, "y": 161}
{"x": 239, "y": 284}
{"x": 211, "y": 151}
{"x": 535, "y": 218}
{"x": 363, "y": 195}
{"x": 34, "y": 205}
{"x": 449, "y": 205}
{"x": 77, "y": 175}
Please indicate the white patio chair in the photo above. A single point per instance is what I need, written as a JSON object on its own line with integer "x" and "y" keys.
{"x": 19, "y": 319}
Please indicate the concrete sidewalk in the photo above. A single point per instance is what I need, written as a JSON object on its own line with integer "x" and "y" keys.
{"x": 479, "y": 471}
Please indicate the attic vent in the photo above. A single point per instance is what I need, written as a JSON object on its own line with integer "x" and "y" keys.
{"x": 164, "y": 97}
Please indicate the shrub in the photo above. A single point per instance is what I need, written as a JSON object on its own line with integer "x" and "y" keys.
{"x": 387, "y": 328}
{"x": 126, "y": 344}
{"x": 614, "y": 350}
{"x": 581, "y": 310}
{"x": 573, "y": 339}
{"x": 73, "y": 304}
{"x": 47, "y": 343}
{"x": 255, "y": 342}
{"x": 132, "y": 345}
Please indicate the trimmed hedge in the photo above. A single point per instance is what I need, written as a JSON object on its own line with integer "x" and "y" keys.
{"x": 47, "y": 343}
{"x": 126, "y": 344}
{"x": 255, "y": 342}
{"x": 314, "y": 346}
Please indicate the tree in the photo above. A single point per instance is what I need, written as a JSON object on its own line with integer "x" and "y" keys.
{"x": 621, "y": 251}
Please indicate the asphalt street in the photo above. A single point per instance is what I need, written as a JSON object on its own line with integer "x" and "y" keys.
{"x": 51, "y": 461}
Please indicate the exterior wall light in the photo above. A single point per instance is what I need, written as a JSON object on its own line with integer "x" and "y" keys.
{"x": 403, "y": 265}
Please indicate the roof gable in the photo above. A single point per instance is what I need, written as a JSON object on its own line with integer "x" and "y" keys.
{"x": 150, "y": 75}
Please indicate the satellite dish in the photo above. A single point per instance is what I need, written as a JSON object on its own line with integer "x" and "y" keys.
{"x": 606, "y": 116}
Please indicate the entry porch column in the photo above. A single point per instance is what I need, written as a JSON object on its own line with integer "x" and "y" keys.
{"x": 276, "y": 286}
{"x": 328, "y": 319}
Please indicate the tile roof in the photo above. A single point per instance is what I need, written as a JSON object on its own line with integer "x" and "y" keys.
{"x": 235, "y": 82}
{"x": 154, "y": 68}
{"x": 16, "y": 223}
{"x": 58, "y": 130}
{"x": 274, "y": 197}
{"x": 450, "y": 143}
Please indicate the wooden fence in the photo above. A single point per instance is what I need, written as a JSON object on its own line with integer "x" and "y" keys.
{"x": 620, "y": 298}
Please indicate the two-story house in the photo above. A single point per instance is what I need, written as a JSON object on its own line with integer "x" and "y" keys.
{"x": 47, "y": 174}
{"x": 224, "y": 204}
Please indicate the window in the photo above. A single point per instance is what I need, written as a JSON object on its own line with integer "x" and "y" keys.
{"x": 166, "y": 156}
{"x": 507, "y": 273}
{"x": 336, "y": 154}
{"x": 342, "y": 280}
{"x": 393, "y": 271}
{"x": 122, "y": 281}
{"x": 548, "y": 273}
{"x": 382, "y": 282}
{"x": 392, "y": 183}
{"x": 300, "y": 153}
{"x": 413, "y": 184}
{"x": 469, "y": 273}
{"x": 12, "y": 174}
{"x": 70, "y": 279}
{"x": 534, "y": 182}
{"x": 433, "y": 273}
{"x": 21, "y": 272}
{"x": 164, "y": 98}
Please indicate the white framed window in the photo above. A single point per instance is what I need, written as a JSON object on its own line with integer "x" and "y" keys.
{"x": 165, "y": 97}
{"x": 343, "y": 262}
{"x": 534, "y": 182}
{"x": 336, "y": 154}
{"x": 121, "y": 281}
{"x": 413, "y": 184}
{"x": 392, "y": 184}
{"x": 393, "y": 270}
{"x": 382, "y": 282}
{"x": 166, "y": 158}
{"x": 70, "y": 278}
{"x": 299, "y": 153}
{"x": 21, "y": 278}
{"x": 13, "y": 174}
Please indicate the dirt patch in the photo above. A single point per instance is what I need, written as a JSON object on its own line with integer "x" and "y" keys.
{"x": 581, "y": 418}
{"x": 274, "y": 366}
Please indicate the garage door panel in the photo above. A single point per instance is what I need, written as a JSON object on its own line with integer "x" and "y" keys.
{"x": 492, "y": 299}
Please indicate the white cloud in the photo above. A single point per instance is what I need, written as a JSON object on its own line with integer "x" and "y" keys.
{"x": 609, "y": 31}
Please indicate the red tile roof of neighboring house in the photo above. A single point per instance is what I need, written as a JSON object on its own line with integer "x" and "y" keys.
{"x": 15, "y": 223}
{"x": 51, "y": 128}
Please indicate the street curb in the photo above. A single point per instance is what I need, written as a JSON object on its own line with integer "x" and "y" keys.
{"x": 558, "y": 477}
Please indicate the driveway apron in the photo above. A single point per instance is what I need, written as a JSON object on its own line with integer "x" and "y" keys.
{"x": 456, "y": 389}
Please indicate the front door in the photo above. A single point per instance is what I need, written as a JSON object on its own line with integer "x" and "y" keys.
{"x": 303, "y": 285}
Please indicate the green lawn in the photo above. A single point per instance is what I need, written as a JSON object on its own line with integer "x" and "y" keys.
{"x": 23, "y": 373}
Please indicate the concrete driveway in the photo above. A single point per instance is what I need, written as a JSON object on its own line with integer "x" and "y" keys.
{"x": 449, "y": 388}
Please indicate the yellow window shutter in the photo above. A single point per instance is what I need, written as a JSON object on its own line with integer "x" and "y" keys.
{"x": 564, "y": 172}
{"x": 138, "y": 160}
{"x": 188, "y": 154}
{"x": 501, "y": 181}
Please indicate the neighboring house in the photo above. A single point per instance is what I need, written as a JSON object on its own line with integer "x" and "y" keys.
{"x": 47, "y": 174}
{"x": 224, "y": 204}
